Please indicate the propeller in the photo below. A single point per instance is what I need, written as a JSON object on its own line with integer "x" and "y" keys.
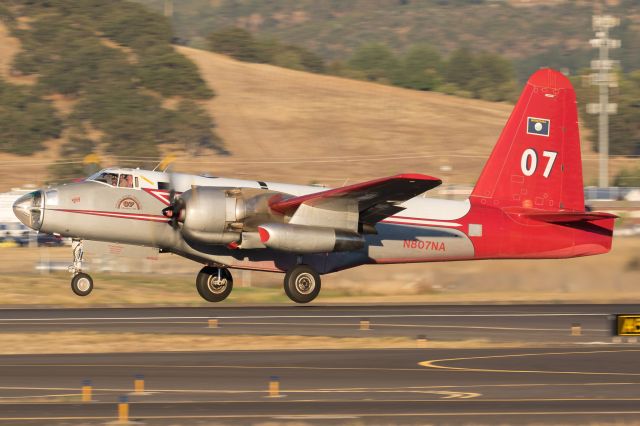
{"x": 175, "y": 210}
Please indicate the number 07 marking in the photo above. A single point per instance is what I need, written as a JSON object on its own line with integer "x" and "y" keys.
{"x": 551, "y": 155}
{"x": 529, "y": 162}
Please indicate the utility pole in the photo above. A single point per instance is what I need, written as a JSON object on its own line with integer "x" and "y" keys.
{"x": 604, "y": 79}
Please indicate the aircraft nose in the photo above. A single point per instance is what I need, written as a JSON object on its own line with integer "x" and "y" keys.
{"x": 28, "y": 209}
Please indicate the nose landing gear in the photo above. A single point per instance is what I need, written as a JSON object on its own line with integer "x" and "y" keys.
{"x": 81, "y": 283}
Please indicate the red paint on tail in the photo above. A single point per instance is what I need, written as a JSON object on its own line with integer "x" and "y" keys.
{"x": 531, "y": 188}
{"x": 536, "y": 162}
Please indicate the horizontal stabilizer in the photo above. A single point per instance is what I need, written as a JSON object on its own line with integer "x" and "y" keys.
{"x": 565, "y": 217}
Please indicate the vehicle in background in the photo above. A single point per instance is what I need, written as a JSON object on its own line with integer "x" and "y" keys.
{"x": 40, "y": 239}
{"x": 49, "y": 240}
{"x": 14, "y": 229}
{"x": 8, "y": 242}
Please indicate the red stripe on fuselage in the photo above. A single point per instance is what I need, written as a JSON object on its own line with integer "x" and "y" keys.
{"x": 119, "y": 215}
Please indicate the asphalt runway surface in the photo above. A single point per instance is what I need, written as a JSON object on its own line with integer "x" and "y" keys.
{"x": 566, "y": 380}
{"x": 496, "y": 323}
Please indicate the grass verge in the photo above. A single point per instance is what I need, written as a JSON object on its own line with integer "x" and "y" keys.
{"x": 93, "y": 342}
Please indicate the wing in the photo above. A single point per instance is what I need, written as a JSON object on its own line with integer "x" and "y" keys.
{"x": 375, "y": 199}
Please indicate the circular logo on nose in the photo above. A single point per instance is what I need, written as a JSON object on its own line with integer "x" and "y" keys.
{"x": 538, "y": 127}
{"x": 128, "y": 203}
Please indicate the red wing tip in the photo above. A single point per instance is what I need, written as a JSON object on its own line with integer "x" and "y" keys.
{"x": 416, "y": 176}
{"x": 547, "y": 77}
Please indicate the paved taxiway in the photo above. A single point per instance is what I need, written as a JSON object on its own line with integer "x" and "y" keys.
{"x": 565, "y": 379}
{"x": 326, "y": 387}
{"x": 496, "y": 323}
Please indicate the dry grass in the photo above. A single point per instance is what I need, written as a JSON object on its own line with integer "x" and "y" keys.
{"x": 91, "y": 342}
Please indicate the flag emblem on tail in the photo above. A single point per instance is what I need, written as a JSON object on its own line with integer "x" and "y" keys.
{"x": 538, "y": 126}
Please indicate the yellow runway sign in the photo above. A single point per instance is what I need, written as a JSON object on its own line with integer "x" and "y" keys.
{"x": 628, "y": 325}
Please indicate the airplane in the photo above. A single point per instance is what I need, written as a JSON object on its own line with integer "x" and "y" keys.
{"x": 528, "y": 203}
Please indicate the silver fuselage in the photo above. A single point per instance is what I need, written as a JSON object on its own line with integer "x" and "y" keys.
{"x": 89, "y": 210}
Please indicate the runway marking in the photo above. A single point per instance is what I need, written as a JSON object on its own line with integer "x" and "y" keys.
{"x": 298, "y": 324}
{"x": 364, "y": 414}
{"x": 155, "y": 318}
{"x": 433, "y": 363}
{"x": 327, "y": 390}
{"x": 254, "y": 367}
{"x": 445, "y": 394}
{"x": 564, "y": 329}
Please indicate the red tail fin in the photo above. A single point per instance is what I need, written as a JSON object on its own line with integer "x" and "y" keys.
{"x": 536, "y": 162}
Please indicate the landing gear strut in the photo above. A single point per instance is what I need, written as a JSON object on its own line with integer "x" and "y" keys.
{"x": 214, "y": 284}
{"x": 302, "y": 284}
{"x": 81, "y": 283}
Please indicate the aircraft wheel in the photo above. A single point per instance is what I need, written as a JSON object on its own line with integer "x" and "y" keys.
{"x": 82, "y": 284}
{"x": 302, "y": 284}
{"x": 214, "y": 284}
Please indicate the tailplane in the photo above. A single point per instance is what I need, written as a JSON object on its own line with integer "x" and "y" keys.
{"x": 536, "y": 163}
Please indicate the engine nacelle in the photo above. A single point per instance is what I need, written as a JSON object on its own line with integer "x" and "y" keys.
{"x": 308, "y": 239}
{"x": 211, "y": 215}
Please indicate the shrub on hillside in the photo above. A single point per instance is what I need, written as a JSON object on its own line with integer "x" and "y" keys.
{"x": 242, "y": 45}
{"x": 107, "y": 55}
{"x": 26, "y": 120}
{"x": 171, "y": 74}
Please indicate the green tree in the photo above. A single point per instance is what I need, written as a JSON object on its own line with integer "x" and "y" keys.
{"x": 237, "y": 43}
{"x": 171, "y": 74}
{"x": 376, "y": 61}
{"x": 420, "y": 68}
{"x": 461, "y": 69}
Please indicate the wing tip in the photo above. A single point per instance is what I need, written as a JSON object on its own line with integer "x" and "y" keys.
{"x": 417, "y": 176}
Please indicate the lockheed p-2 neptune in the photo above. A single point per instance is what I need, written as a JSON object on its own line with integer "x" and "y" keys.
{"x": 527, "y": 203}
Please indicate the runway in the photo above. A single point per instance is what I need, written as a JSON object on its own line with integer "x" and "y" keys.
{"x": 552, "y": 378}
{"x": 497, "y": 323}
{"x": 328, "y": 387}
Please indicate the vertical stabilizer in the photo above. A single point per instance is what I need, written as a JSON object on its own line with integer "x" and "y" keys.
{"x": 536, "y": 162}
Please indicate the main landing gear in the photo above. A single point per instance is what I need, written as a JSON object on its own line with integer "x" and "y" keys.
{"x": 81, "y": 283}
{"x": 301, "y": 283}
{"x": 214, "y": 284}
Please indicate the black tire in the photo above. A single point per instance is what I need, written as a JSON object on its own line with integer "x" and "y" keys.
{"x": 82, "y": 284}
{"x": 208, "y": 287}
{"x": 302, "y": 284}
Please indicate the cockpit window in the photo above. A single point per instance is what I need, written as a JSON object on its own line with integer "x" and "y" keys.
{"x": 122, "y": 180}
{"x": 126, "y": 181}
{"x": 108, "y": 178}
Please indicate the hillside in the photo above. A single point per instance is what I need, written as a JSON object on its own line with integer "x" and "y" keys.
{"x": 103, "y": 80}
{"x": 532, "y": 33}
{"x": 286, "y": 124}
{"x": 281, "y": 124}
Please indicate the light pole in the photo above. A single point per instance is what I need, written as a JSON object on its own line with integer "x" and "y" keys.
{"x": 603, "y": 79}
